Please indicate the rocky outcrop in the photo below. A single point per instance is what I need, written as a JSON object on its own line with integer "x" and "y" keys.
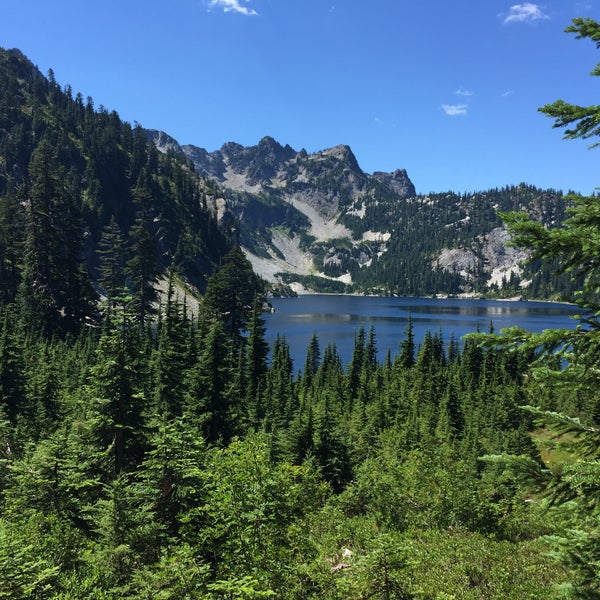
{"x": 276, "y": 192}
{"x": 397, "y": 182}
{"x": 163, "y": 141}
{"x": 489, "y": 254}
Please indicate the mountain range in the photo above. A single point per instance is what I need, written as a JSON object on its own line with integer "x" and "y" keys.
{"x": 317, "y": 221}
{"x": 305, "y": 221}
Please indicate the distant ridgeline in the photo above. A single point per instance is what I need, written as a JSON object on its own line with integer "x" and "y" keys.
{"x": 317, "y": 221}
{"x": 77, "y": 183}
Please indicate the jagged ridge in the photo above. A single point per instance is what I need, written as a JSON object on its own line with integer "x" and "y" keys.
{"x": 319, "y": 216}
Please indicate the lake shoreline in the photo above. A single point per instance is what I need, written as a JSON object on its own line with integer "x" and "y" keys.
{"x": 465, "y": 296}
{"x": 337, "y": 318}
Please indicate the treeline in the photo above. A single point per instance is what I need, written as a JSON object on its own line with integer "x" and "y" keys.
{"x": 423, "y": 226}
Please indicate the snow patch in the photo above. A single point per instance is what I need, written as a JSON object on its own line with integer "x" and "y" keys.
{"x": 376, "y": 236}
{"x": 345, "y": 278}
{"x": 359, "y": 212}
{"x": 500, "y": 273}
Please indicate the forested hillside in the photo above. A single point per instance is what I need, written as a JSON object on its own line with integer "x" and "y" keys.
{"x": 81, "y": 190}
{"x": 151, "y": 451}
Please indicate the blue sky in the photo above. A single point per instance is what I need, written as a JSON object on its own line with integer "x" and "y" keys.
{"x": 446, "y": 89}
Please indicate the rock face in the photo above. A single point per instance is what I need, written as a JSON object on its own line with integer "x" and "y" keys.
{"x": 286, "y": 200}
{"x": 164, "y": 142}
{"x": 299, "y": 215}
{"x": 398, "y": 182}
{"x": 489, "y": 253}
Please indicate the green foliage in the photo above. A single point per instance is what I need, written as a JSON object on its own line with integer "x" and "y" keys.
{"x": 253, "y": 512}
{"x": 73, "y": 171}
{"x": 23, "y": 572}
{"x": 564, "y": 376}
{"x": 142, "y": 489}
{"x": 423, "y": 226}
{"x": 148, "y": 452}
{"x": 231, "y": 292}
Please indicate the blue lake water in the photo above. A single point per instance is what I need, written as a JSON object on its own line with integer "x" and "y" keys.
{"x": 337, "y": 319}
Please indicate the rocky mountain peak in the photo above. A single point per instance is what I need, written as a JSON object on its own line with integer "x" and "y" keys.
{"x": 231, "y": 149}
{"x": 397, "y": 182}
{"x": 163, "y": 141}
{"x": 343, "y": 153}
{"x": 306, "y": 215}
{"x": 268, "y": 145}
{"x": 272, "y": 153}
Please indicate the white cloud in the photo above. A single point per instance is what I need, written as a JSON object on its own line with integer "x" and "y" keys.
{"x": 524, "y": 13}
{"x": 452, "y": 110}
{"x": 507, "y": 93}
{"x": 232, "y": 6}
{"x": 461, "y": 92}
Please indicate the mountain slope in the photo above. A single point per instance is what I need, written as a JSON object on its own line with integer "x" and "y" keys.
{"x": 307, "y": 220}
{"x": 103, "y": 173}
{"x": 319, "y": 220}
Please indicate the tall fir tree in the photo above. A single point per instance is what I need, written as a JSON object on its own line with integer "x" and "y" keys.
{"x": 12, "y": 375}
{"x": 231, "y": 292}
{"x": 171, "y": 359}
{"x": 55, "y": 293}
{"x": 112, "y": 255}
{"x": 118, "y": 407}
{"x": 143, "y": 266}
{"x": 208, "y": 402}
{"x": 256, "y": 351}
{"x": 11, "y": 243}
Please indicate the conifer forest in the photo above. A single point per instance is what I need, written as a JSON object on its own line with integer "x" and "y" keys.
{"x": 153, "y": 446}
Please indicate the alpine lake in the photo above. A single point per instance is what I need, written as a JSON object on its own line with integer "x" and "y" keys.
{"x": 338, "y": 318}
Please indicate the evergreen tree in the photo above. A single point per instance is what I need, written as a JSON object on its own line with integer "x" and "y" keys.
{"x": 143, "y": 266}
{"x": 330, "y": 374}
{"x": 256, "y": 352}
{"x": 280, "y": 397}
{"x": 171, "y": 360}
{"x": 209, "y": 403}
{"x": 117, "y": 423}
{"x": 11, "y": 243}
{"x": 313, "y": 359}
{"x": 12, "y": 376}
{"x": 112, "y": 255}
{"x": 356, "y": 363}
{"x": 39, "y": 290}
{"x": 329, "y": 446}
{"x": 451, "y": 419}
{"x": 55, "y": 293}
{"x": 77, "y": 297}
{"x": 125, "y": 537}
{"x": 170, "y": 479}
{"x": 576, "y": 246}
{"x": 231, "y": 292}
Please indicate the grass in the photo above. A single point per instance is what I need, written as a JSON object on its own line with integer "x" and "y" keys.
{"x": 554, "y": 449}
